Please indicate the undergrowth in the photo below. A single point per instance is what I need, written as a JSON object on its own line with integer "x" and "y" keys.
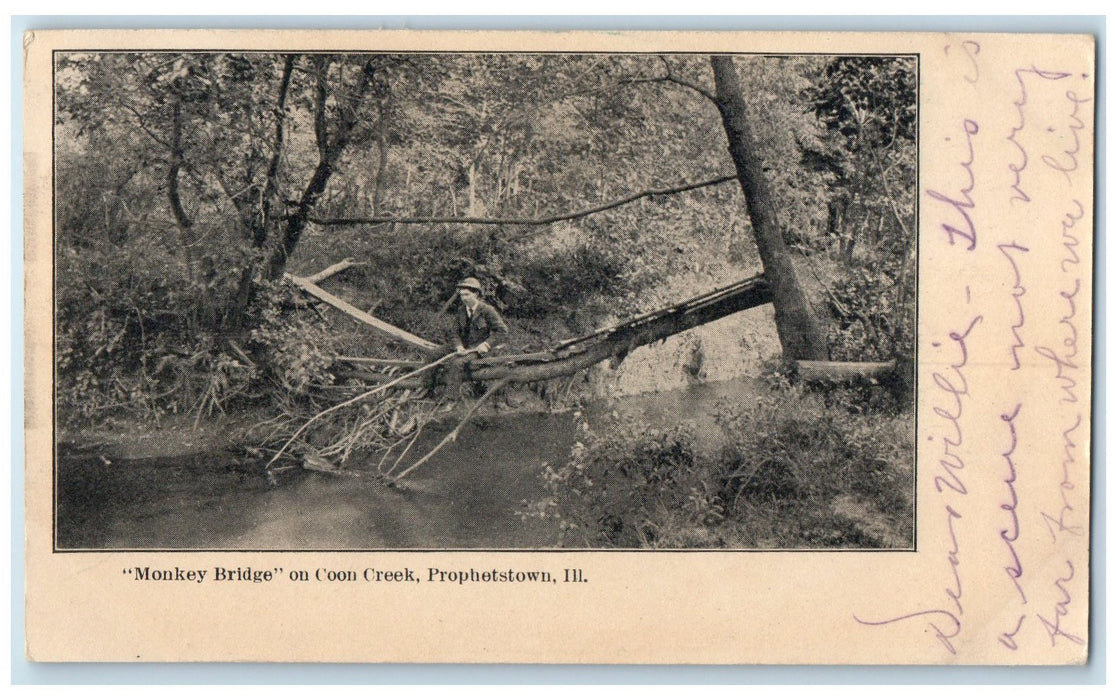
{"x": 799, "y": 468}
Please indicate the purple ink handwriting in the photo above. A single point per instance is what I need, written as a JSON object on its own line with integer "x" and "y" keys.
{"x": 970, "y": 49}
{"x": 953, "y": 383}
{"x": 963, "y": 202}
{"x": 1054, "y": 627}
{"x": 1017, "y": 168}
{"x": 1011, "y": 534}
{"x": 1065, "y": 361}
{"x": 1009, "y": 638}
{"x": 1018, "y": 291}
{"x": 934, "y": 617}
{"x": 1067, "y": 161}
{"x": 950, "y": 406}
{"x": 1059, "y": 523}
{"x": 1070, "y": 241}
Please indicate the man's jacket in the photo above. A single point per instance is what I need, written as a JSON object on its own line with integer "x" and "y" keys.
{"x": 483, "y": 325}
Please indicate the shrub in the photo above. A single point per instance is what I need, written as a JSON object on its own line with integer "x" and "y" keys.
{"x": 868, "y": 327}
{"x": 561, "y": 280}
{"x": 796, "y": 469}
{"x": 622, "y": 488}
{"x": 135, "y": 337}
{"x": 796, "y": 445}
{"x": 294, "y": 345}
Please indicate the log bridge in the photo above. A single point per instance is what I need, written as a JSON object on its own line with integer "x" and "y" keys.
{"x": 562, "y": 359}
{"x": 569, "y": 356}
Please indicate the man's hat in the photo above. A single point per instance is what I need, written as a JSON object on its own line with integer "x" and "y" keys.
{"x": 470, "y": 283}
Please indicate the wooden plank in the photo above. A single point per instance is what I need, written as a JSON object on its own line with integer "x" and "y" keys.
{"x": 332, "y": 270}
{"x": 386, "y": 329}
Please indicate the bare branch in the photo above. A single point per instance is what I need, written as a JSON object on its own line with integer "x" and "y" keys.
{"x": 329, "y": 151}
{"x": 670, "y": 77}
{"x": 140, "y": 122}
{"x": 332, "y": 270}
{"x": 511, "y": 221}
{"x": 236, "y": 197}
{"x": 452, "y": 436}
{"x": 687, "y": 84}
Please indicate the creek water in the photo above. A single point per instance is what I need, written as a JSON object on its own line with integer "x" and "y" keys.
{"x": 469, "y": 496}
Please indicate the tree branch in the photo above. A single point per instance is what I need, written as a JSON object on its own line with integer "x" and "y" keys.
{"x": 670, "y": 77}
{"x": 328, "y": 154}
{"x": 140, "y": 122}
{"x": 332, "y": 270}
{"x": 321, "y": 137}
{"x": 271, "y": 186}
{"x": 697, "y": 88}
{"x": 521, "y": 221}
{"x": 237, "y": 198}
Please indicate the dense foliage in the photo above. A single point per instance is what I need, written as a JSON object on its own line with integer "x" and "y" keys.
{"x": 186, "y": 184}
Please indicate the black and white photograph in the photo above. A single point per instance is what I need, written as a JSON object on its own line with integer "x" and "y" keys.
{"x": 365, "y": 301}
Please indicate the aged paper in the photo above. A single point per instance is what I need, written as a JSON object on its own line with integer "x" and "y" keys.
{"x": 998, "y": 569}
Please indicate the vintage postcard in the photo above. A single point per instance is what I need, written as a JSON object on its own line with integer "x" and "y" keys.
{"x": 721, "y": 348}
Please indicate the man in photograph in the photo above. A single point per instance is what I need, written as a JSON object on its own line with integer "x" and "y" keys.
{"x": 478, "y": 326}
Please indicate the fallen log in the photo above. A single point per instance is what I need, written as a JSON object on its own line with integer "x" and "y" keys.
{"x": 749, "y": 294}
{"x": 614, "y": 341}
{"x": 332, "y": 270}
{"x": 491, "y": 360}
{"x": 425, "y": 346}
{"x": 716, "y": 293}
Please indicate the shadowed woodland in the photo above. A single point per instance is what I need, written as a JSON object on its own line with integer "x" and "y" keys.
{"x": 279, "y": 236}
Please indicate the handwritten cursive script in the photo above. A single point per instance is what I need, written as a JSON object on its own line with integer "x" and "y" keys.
{"x": 1009, "y": 638}
{"x": 1054, "y": 626}
{"x": 1018, "y": 291}
{"x": 1065, "y": 361}
{"x": 1011, "y": 534}
{"x": 963, "y": 202}
{"x": 947, "y": 623}
{"x": 970, "y": 49}
{"x": 1070, "y": 241}
{"x": 1058, "y": 523}
{"x": 1067, "y": 161}
{"x": 953, "y": 383}
{"x": 933, "y": 617}
{"x": 1017, "y": 168}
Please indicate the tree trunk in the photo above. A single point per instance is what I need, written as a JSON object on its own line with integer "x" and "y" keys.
{"x": 382, "y": 165}
{"x": 329, "y": 150}
{"x": 472, "y": 207}
{"x": 203, "y": 313}
{"x": 799, "y": 331}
